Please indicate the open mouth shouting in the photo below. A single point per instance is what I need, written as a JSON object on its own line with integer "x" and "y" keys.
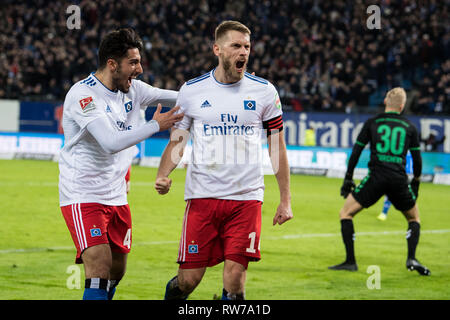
{"x": 125, "y": 84}
{"x": 240, "y": 66}
{"x": 129, "y": 80}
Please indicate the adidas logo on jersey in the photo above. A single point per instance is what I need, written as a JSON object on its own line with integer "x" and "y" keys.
{"x": 205, "y": 104}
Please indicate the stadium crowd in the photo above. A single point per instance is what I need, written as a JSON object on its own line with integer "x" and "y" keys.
{"x": 319, "y": 54}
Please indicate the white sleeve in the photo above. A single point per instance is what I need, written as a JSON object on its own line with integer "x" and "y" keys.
{"x": 272, "y": 102}
{"x": 167, "y": 98}
{"x": 149, "y": 95}
{"x": 183, "y": 102}
{"x": 83, "y": 107}
{"x": 113, "y": 141}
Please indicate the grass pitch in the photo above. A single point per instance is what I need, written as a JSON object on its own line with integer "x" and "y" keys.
{"x": 37, "y": 253}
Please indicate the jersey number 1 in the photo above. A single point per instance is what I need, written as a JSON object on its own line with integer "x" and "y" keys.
{"x": 252, "y": 237}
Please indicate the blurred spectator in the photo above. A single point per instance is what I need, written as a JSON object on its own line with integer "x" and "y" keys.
{"x": 318, "y": 53}
{"x": 431, "y": 143}
{"x": 310, "y": 137}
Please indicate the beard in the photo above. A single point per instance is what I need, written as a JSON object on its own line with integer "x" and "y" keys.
{"x": 230, "y": 71}
{"x": 121, "y": 81}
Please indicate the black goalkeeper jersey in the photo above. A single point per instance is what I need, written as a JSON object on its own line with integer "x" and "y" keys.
{"x": 390, "y": 136}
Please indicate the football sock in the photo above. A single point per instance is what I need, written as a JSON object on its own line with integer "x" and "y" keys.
{"x": 232, "y": 296}
{"x": 386, "y": 206}
{"x": 173, "y": 292}
{"x": 96, "y": 289}
{"x": 112, "y": 288}
{"x": 412, "y": 238}
{"x": 348, "y": 234}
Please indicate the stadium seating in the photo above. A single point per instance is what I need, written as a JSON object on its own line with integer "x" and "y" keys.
{"x": 319, "y": 54}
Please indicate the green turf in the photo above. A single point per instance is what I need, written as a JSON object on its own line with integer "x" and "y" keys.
{"x": 36, "y": 249}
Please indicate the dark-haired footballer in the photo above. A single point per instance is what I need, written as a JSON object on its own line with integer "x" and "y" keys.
{"x": 101, "y": 121}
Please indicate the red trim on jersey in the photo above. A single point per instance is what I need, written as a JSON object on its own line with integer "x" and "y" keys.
{"x": 127, "y": 176}
{"x": 273, "y": 124}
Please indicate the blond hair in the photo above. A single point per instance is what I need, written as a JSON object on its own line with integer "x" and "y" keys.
{"x": 396, "y": 98}
{"x": 230, "y": 25}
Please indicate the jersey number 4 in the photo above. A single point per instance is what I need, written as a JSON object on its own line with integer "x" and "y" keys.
{"x": 127, "y": 239}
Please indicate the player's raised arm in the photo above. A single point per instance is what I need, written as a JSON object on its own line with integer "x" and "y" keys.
{"x": 170, "y": 158}
{"x": 151, "y": 96}
{"x": 280, "y": 165}
{"x": 113, "y": 141}
{"x": 167, "y": 97}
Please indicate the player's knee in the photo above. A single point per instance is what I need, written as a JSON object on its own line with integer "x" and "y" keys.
{"x": 412, "y": 215}
{"x": 188, "y": 285}
{"x": 234, "y": 281}
{"x": 345, "y": 214}
{"x": 99, "y": 269}
{"x": 119, "y": 264}
{"x": 187, "y": 282}
{"x": 234, "y": 276}
{"x": 117, "y": 273}
{"x": 97, "y": 262}
{"x": 235, "y": 273}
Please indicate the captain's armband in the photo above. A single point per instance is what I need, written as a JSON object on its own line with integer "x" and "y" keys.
{"x": 273, "y": 124}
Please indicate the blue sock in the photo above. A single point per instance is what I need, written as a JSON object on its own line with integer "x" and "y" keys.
{"x": 225, "y": 295}
{"x": 95, "y": 294}
{"x": 386, "y": 206}
{"x": 232, "y": 296}
{"x": 173, "y": 292}
{"x": 96, "y": 289}
{"x": 111, "y": 293}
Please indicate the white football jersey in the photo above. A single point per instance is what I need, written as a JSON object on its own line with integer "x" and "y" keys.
{"x": 87, "y": 172}
{"x": 226, "y": 127}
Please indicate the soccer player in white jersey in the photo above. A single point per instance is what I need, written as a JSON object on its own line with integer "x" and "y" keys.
{"x": 101, "y": 122}
{"x": 227, "y": 112}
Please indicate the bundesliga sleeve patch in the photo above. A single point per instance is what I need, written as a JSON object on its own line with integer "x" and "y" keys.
{"x": 273, "y": 124}
{"x": 87, "y": 104}
{"x": 277, "y": 101}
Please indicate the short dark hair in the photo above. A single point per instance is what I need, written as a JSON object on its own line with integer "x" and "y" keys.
{"x": 230, "y": 25}
{"x": 116, "y": 44}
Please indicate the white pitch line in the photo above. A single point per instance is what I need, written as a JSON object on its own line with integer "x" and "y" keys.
{"x": 326, "y": 235}
{"x": 285, "y": 237}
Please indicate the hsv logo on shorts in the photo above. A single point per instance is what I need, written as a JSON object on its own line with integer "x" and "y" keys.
{"x": 193, "y": 248}
{"x": 95, "y": 232}
{"x": 87, "y": 104}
